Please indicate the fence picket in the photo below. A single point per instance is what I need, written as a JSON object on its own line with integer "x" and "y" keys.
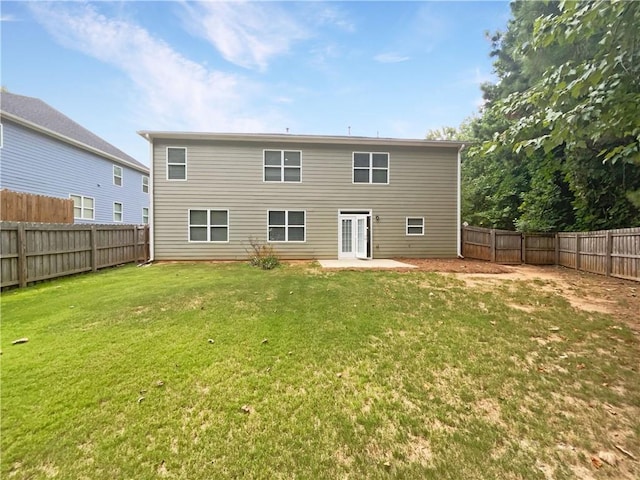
{"x": 613, "y": 253}
{"x": 38, "y": 251}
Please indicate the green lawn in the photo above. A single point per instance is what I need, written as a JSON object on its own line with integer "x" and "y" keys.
{"x": 213, "y": 371}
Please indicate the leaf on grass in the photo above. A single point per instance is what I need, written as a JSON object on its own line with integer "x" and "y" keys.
{"x": 19, "y": 341}
{"x": 140, "y": 399}
{"x": 609, "y": 458}
{"x": 596, "y": 462}
{"x": 265, "y": 340}
{"x": 246, "y": 409}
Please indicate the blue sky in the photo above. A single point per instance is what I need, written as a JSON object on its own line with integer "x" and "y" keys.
{"x": 393, "y": 69}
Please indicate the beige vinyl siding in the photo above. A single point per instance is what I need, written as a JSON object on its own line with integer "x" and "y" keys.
{"x": 229, "y": 175}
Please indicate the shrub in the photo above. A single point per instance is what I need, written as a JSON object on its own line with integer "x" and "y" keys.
{"x": 262, "y": 255}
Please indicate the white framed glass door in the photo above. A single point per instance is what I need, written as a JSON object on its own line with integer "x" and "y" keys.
{"x": 353, "y": 236}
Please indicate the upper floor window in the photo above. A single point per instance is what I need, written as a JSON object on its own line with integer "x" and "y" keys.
{"x": 145, "y": 215}
{"x": 117, "y": 212}
{"x": 282, "y": 166}
{"x": 370, "y": 167}
{"x": 287, "y": 226}
{"x": 145, "y": 184}
{"x": 83, "y": 207}
{"x": 208, "y": 225}
{"x": 415, "y": 225}
{"x": 176, "y": 163}
{"x": 1, "y": 136}
{"x": 117, "y": 175}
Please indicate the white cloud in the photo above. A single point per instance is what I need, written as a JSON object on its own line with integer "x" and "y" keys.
{"x": 8, "y": 17}
{"x": 172, "y": 91}
{"x": 390, "y": 57}
{"x": 246, "y": 34}
{"x": 331, "y": 15}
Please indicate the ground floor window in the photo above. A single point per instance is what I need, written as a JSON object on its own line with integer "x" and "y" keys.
{"x": 208, "y": 225}
{"x": 415, "y": 225}
{"x": 145, "y": 215}
{"x": 287, "y": 225}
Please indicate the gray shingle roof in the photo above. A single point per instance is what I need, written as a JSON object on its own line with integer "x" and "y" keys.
{"x": 36, "y": 111}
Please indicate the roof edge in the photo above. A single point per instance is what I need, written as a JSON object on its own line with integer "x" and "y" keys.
{"x": 71, "y": 141}
{"x": 150, "y": 135}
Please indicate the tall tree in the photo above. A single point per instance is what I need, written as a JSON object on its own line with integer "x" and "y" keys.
{"x": 566, "y": 100}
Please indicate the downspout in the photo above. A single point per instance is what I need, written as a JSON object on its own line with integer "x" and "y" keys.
{"x": 459, "y": 201}
{"x": 151, "y": 200}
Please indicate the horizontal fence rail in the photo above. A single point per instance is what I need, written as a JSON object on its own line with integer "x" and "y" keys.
{"x": 613, "y": 253}
{"x": 31, "y": 252}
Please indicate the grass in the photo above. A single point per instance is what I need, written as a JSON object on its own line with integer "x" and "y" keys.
{"x": 310, "y": 375}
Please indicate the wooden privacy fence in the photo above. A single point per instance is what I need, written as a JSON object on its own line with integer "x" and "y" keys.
{"x": 499, "y": 246}
{"x": 613, "y": 253}
{"x": 26, "y": 207}
{"x": 36, "y": 251}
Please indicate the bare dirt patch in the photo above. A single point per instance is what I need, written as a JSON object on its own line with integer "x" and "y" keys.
{"x": 454, "y": 265}
{"x": 584, "y": 291}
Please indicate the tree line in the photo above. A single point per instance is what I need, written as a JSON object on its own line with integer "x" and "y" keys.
{"x": 556, "y": 145}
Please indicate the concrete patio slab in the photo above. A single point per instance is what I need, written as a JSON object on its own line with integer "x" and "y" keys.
{"x": 358, "y": 263}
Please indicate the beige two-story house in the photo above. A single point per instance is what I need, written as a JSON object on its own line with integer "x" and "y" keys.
{"x": 308, "y": 196}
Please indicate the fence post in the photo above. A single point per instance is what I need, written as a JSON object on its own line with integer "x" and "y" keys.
{"x": 94, "y": 249}
{"x": 147, "y": 243}
{"x": 557, "y": 247}
{"x": 609, "y": 252}
{"x": 22, "y": 256}
{"x": 135, "y": 243}
{"x": 523, "y": 247}
{"x": 578, "y": 251}
{"x": 492, "y": 245}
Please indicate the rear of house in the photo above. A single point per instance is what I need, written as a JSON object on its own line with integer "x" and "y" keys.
{"x": 307, "y": 196}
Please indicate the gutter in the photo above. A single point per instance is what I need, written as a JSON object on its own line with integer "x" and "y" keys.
{"x": 301, "y": 139}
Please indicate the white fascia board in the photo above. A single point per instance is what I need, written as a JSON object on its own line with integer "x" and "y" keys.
{"x": 289, "y": 138}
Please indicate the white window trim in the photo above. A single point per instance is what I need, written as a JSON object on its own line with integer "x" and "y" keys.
{"x": 147, "y": 215}
{"x": 371, "y": 168}
{"x": 121, "y": 176}
{"x": 1, "y": 136}
{"x": 82, "y": 207}
{"x": 145, "y": 184}
{"x": 414, "y": 226}
{"x": 121, "y": 212}
{"x": 282, "y": 166}
{"x": 180, "y": 164}
{"x": 286, "y": 226}
{"x": 208, "y": 225}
